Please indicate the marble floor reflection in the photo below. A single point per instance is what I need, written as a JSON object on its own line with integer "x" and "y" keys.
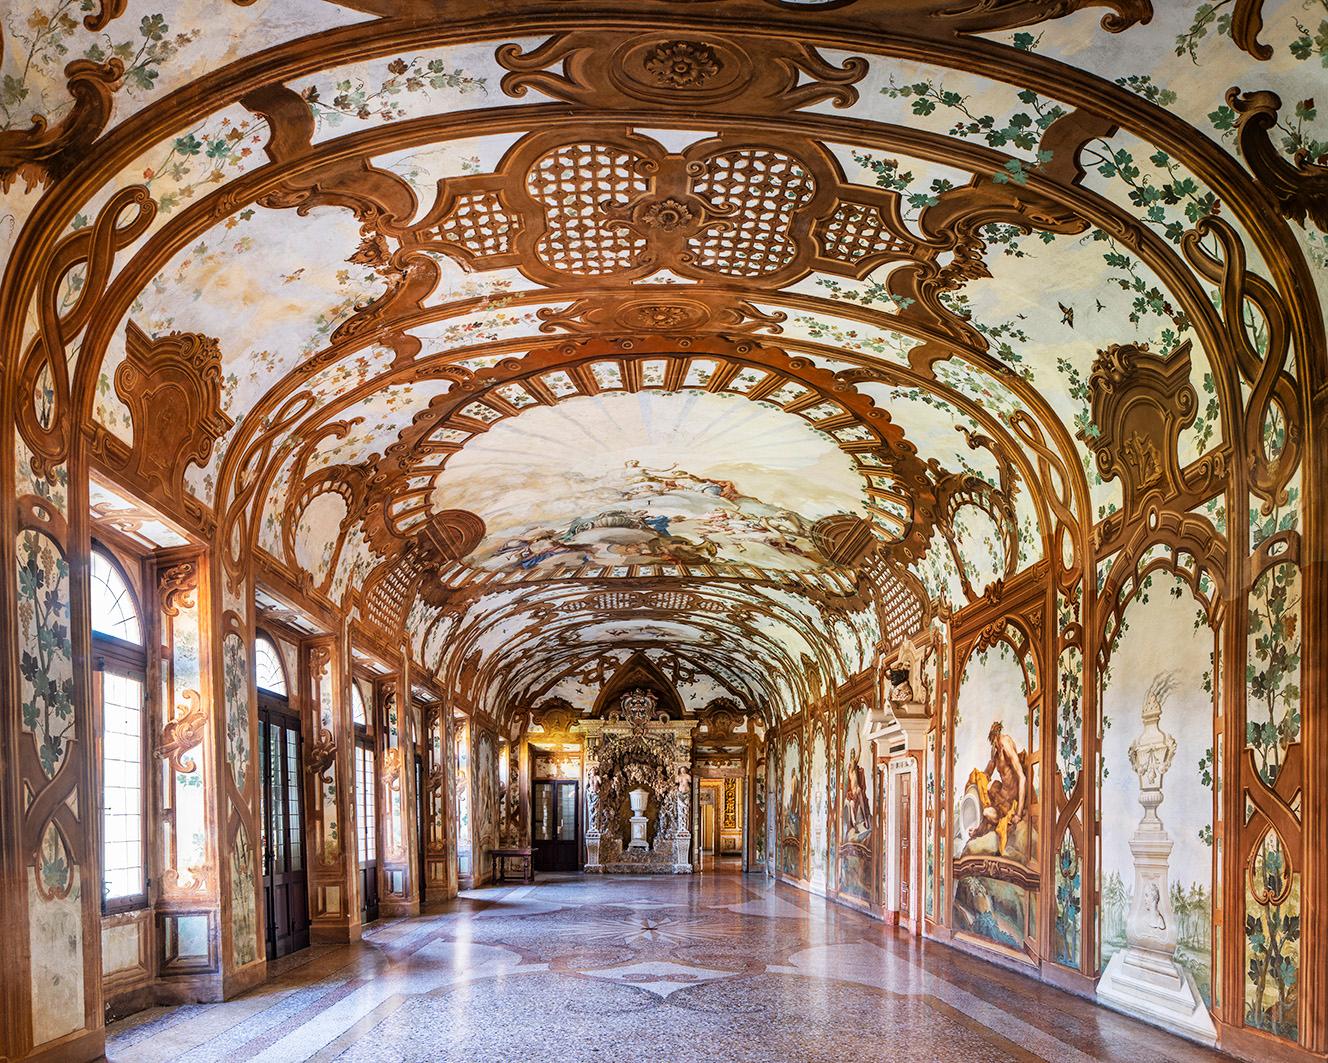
{"x": 714, "y": 967}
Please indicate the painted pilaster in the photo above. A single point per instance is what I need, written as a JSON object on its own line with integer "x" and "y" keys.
{"x": 437, "y": 872}
{"x": 333, "y": 876}
{"x": 49, "y": 834}
{"x": 243, "y": 950}
{"x": 186, "y": 784}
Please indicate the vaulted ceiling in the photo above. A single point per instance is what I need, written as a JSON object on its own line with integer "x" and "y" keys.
{"x": 737, "y": 332}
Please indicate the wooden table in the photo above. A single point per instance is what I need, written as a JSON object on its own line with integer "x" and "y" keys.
{"x": 500, "y": 865}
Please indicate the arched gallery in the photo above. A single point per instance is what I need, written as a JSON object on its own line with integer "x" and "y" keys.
{"x": 736, "y": 529}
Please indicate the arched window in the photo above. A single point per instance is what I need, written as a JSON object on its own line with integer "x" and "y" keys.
{"x": 113, "y": 610}
{"x": 269, "y": 673}
{"x": 120, "y": 682}
{"x": 359, "y": 715}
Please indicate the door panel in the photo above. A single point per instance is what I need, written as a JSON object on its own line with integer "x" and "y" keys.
{"x": 905, "y": 843}
{"x": 555, "y": 823}
{"x": 284, "y": 881}
{"x": 420, "y": 823}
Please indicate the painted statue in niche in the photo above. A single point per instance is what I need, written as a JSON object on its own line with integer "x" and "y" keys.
{"x": 818, "y": 792}
{"x": 1163, "y": 659}
{"x": 855, "y": 814}
{"x": 790, "y": 807}
{"x": 996, "y": 809}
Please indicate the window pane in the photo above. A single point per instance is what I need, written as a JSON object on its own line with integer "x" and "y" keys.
{"x": 267, "y": 667}
{"x": 263, "y": 788}
{"x": 293, "y": 797}
{"x": 358, "y": 713}
{"x": 113, "y": 610}
{"x": 544, "y": 812}
{"x": 278, "y": 798}
{"x": 567, "y": 812}
{"x": 122, "y": 786}
{"x": 366, "y": 805}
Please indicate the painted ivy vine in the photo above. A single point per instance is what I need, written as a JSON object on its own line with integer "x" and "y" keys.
{"x": 48, "y": 38}
{"x": 46, "y": 652}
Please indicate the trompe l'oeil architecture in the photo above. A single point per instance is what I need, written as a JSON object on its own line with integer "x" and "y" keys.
{"x": 879, "y": 442}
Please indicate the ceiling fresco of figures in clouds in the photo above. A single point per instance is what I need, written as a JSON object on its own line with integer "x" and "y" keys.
{"x": 650, "y": 479}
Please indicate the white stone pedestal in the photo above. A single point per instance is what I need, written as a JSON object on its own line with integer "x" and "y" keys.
{"x": 638, "y": 839}
{"x": 1159, "y": 992}
{"x": 682, "y": 852}
{"x": 592, "y": 852}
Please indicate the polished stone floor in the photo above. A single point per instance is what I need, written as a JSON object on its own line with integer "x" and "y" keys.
{"x": 715, "y": 967}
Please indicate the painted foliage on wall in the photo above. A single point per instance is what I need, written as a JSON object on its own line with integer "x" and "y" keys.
{"x": 486, "y": 797}
{"x": 790, "y": 806}
{"x": 818, "y": 808}
{"x": 759, "y": 789}
{"x": 1164, "y": 651}
{"x": 856, "y": 837}
{"x": 1272, "y": 940}
{"x": 50, "y": 719}
{"x": 46, "y": 665}
{"x": 996, "y": 802}
{"x": 236, "y": 685}
{"x": 244, "y": 914}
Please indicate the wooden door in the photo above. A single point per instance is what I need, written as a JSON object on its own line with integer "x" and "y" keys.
{"x": 555, "y": 823}
{"x": 904, "y": 812}
{"x": 420, "y": 823}
{"x": 284, "y": 879}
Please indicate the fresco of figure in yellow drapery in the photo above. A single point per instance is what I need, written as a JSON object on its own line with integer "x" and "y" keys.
{"x": 1002, "y": 799}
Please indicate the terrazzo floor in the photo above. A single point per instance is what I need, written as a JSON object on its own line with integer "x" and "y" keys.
{"x": 713, "y": 967}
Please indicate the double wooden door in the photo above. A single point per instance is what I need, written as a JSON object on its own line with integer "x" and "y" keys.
{"x": 284, "y": 878}
{"x": 555, "y": 823}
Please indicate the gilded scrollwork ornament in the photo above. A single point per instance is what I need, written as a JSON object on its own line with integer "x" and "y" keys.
{"x": 1299, "y": 187}
{"x": 42, "y": 153}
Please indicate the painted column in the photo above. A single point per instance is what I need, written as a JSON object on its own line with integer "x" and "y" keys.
{"x": 243, "y": 948}
{"x": 449, "y": 777}
{"x": 334, "y": 908}
{"x": 188, "y": 890}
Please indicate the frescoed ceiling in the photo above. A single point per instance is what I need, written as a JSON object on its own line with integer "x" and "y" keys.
{"x": 552, "y": 331}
